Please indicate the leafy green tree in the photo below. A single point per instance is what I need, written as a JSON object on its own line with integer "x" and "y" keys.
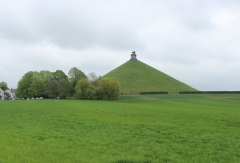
{"x": 23, "y": 85}
{"x": 59, "y": 75}
{"x": 85, "y": 90}
{"x": 75, "y": 75}
{"x": 64, "y": 88}
{"x": 39, "y": 82}
{"x": 43, "y": 75}
{"x": 51, "y": 88}
{"x": 3, "y": 86}
{"x": 36, "y": 88}
{"x": 108, "y": 89}
{"x": 58, "y": 85}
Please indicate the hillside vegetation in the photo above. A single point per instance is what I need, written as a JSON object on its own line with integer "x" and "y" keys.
{"x": 136, "y": 76}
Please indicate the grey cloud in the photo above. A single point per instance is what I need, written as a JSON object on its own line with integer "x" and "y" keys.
{"x": 199, "y": 23}
{"x": 14, "y": 29}
{"x": 82, "y": 28}
{"x": 70, "y": 26}
{"x": 185, "y": 39}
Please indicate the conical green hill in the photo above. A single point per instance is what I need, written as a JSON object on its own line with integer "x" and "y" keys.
{"x": 136, "y": 76}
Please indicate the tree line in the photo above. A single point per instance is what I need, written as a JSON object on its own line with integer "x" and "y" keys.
{"x": 57, "y": 84}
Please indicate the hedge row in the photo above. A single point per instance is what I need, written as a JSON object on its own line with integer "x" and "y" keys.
{"x": 209, "y": 92}
{"x": 144, "y": 93}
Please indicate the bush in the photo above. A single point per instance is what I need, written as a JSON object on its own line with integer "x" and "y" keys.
{"x": 85, "y": 90}
{"x": 108, "y": 89}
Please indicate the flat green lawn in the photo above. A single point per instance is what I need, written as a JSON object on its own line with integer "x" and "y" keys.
{"x": 135, "y": 129}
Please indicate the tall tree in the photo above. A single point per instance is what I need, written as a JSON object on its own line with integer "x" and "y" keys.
{"x": 23, "y": 85}
{"x": 58, "y": 85}
{"x": 36, "y": 88}
{"x": 51, "y": 88}
{"x": 43, "y": 75}
{"x": 39, "y": 82}
{"x": 3, "y": 86}
{"x": 59, "y": 75}
{"x": 64, "y": 88}
{"x": 75, "y": 75}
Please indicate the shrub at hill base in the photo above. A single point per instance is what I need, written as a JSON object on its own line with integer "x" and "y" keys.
{"x": 85, "y": 90}
{"x": 108, "y": 89}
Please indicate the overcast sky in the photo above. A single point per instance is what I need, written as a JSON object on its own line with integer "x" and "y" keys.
{"x": 194, "y": 41}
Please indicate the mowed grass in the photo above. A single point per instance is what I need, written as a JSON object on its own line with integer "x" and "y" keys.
{"x": 135, "y": 129}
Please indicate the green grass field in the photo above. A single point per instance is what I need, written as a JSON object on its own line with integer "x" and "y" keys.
{"x": 134, "y": 129}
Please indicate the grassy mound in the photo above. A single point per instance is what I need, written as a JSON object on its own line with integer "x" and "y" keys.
{"x": 136, "y": 76}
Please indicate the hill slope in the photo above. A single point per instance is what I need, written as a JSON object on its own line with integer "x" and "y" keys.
{"x": 136, "y": 76}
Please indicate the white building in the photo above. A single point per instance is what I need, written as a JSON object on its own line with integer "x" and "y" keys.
{"x": 1, "y": 94}
{"x": 12, "y": 93}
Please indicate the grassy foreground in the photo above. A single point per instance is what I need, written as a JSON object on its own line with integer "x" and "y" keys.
{"x": 135, "y": 129}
